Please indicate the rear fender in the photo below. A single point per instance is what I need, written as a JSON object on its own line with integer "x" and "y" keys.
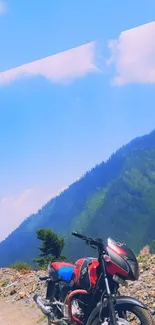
{"x": 121, "y": 301}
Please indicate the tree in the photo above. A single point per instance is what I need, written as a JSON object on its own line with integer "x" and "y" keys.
{"x": 51, "y": 248}
{"x": 152, "y": 247}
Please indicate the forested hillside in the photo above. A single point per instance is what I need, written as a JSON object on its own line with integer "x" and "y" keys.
{"x": 116, "y": 198}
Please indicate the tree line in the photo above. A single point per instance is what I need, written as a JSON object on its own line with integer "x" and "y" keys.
{"x": 51, "y": 249}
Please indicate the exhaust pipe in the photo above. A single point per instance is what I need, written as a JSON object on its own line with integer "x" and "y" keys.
{"x": 46, "y": 310}
{"x": 41, "y": 303}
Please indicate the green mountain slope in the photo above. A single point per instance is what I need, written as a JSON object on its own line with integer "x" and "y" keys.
{"x": 116, "y": 198}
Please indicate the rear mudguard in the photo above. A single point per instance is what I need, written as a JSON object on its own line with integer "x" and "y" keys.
{"x": 120, "y": 303}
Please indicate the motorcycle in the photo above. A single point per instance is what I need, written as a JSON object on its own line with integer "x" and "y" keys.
{"x": 87, "y": 292}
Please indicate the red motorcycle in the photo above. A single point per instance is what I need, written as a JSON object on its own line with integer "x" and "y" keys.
{"x": 87, "y": 292}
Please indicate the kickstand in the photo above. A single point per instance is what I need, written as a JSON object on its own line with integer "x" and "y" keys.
{"x": 49, "y": 321}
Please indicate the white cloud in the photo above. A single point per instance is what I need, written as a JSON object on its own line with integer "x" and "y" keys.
{"x": 59, "y": 68}
{"x": 3, "y": 7}
{"x": 133, "y": 55}
{"x": 13, "y": 210}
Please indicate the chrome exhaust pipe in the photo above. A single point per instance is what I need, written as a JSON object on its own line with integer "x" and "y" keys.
{"x": 47, "y": 310}
{"x": 41, "y": 303}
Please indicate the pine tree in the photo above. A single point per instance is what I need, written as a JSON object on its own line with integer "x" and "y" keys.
{"x": 51, "y": 248}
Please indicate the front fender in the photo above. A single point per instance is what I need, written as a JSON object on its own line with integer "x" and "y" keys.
{"x": 120, "y": 303}
{"x": 125, "y": 300}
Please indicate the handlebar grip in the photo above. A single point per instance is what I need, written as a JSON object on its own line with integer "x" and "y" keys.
{"x": 76, "y": 234}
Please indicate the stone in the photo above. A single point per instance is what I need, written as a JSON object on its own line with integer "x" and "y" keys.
{"x": 22, "y": 294}
{"x": 12, "y": 292}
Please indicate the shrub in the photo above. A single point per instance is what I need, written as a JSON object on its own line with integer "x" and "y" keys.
{"x": 21, "y": 265}
{"x": 152, "y": 247}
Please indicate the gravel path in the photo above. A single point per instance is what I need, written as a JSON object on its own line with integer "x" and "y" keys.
{"x": 18, "y": 314}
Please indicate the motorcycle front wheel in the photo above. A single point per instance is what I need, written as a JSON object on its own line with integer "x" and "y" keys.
{"x": 127, "y": 315}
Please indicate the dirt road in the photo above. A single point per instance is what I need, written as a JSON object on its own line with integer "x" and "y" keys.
{"x": 18, "y": 314}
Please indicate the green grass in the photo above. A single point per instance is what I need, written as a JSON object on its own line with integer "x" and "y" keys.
{"x": 21, "y": 266}
{"x": 41, "y": 319}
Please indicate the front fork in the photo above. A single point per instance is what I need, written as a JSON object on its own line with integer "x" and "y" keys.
{"x": 110, "y": 302}
{"x": 110, "y": 305}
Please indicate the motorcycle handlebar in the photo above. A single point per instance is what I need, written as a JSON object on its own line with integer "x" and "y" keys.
{"x": 76, "y": 234}
{"x": 89, "y": 240}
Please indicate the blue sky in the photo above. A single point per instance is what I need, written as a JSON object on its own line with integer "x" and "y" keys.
{"x": 62, "y": 115}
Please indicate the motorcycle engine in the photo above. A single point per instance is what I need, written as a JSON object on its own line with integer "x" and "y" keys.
{"x": 76, "y": 310}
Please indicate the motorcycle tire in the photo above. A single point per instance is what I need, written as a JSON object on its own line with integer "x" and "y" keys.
{"x": 142, "y": 314}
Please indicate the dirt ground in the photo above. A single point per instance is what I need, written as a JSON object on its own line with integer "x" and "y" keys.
{"x": 19, "y": 314}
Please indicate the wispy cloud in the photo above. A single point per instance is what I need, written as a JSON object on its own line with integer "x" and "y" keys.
{"x": 59, "y": 68}
{"x": 14, "y": 209}
{"x": 3, "y": 7}
{"x": 133, "y": 55}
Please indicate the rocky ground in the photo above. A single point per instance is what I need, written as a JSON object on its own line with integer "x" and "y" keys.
{"x": 16, "y": 297}
{"x": 17, "y": 290}
{"x": 144, "y": 288}
{"x": 19, "y": 314}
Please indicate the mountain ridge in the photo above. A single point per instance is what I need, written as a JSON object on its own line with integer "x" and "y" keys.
{"x": 119, "y": 186}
